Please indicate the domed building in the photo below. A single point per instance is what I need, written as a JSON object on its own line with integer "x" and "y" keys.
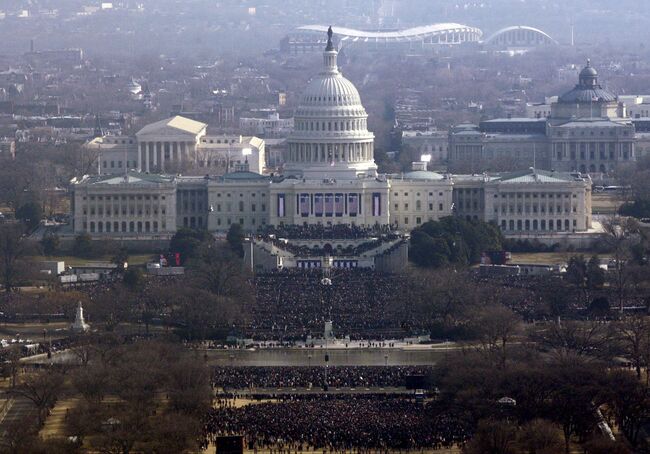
{"x": 330, "y": 175}
{"x": 330, "y": 137}
{"x": 588, "y": 99}
{"x": 585, "y": 130}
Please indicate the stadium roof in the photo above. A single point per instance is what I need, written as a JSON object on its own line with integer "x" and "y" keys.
{"x": 399, "y": 35}
{"x": 520, "y": 27}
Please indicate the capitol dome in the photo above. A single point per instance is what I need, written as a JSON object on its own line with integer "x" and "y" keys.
{"x": 330, "y": 137}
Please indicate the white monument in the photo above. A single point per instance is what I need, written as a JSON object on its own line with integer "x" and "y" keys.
{"x": 79, "y": 325}
{"x": 329, "y": 331}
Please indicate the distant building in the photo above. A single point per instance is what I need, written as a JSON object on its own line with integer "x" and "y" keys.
{"x": 430, "y": 142}
{"x": 309, "y": 38}
{"x": 585, "y": 131}
{"x": 519, "y": 37}
{"x": 177, "y": 145}
{"x": 542, "y": 109}
{"x": 271, "y": 127}
{"x": 66, "y": 57}
{"x": 530, "y": 201}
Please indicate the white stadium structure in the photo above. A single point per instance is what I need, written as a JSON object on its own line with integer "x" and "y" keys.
{"x": 519, "y": 36}
{"x": 309, "y": 38}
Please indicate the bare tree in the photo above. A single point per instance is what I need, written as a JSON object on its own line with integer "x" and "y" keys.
{"x": 496, "y": 326}
{"x": 634, "y": 335}
{"x": 620, "y": 235}
{"x": 42, "y": 389}
{"x": 540, "y": 436}
{"x": 631, "y": 404}
{"x": 572, "y": 338}
{"x": 12, "y": 248}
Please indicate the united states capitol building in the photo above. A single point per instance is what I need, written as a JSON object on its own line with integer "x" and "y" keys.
{"x": 329, "y": 178}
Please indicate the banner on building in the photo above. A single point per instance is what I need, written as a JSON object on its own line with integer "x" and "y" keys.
{"x": 329, "y": 205}
{"x": 353, "y": 204}
{"x": 308, "y": 264}
{"x": 339, "y": 204}
{"x": 304, "y": 205}
{"x": 318, "y": 205}
{"x": 281, "y": 206}
{"x": 345, "y": 264}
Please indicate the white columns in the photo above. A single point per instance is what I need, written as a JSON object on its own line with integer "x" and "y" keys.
{"x": 155, "y": 155}
{"x": 149, "y": 156}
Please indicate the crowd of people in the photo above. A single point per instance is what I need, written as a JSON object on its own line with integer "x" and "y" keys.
{"x": 361, "y": 303}
{"x": 327, "y": 232}
{"x": 234, "y": 378}
{"x": 318, "y": 251}
{"x": 341, "y": 423}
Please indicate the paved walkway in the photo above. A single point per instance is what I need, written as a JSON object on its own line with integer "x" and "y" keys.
{"x": 55, "y": 423}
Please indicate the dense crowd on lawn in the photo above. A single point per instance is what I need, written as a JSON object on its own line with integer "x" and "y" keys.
{"x": 341, "y": 422}
{"x": 292, "y": 304}
{"x": 319, "y": 231}
{"x": 302, "y": 377}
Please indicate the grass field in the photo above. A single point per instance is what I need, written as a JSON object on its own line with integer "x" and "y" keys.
{"x": 545, "y": 258}
{"x": 605, "y": 203}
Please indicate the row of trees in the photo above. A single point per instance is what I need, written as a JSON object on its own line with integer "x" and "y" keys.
{"x": 147, "y": 396}
{"x": 559, "y": 376}
{"x": 636, "y": 176}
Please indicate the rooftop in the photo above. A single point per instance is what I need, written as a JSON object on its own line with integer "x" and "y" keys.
{"x": 178, "y": 123}
{"x": 130, "y": 178}
{"x": 407, "y": 34}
